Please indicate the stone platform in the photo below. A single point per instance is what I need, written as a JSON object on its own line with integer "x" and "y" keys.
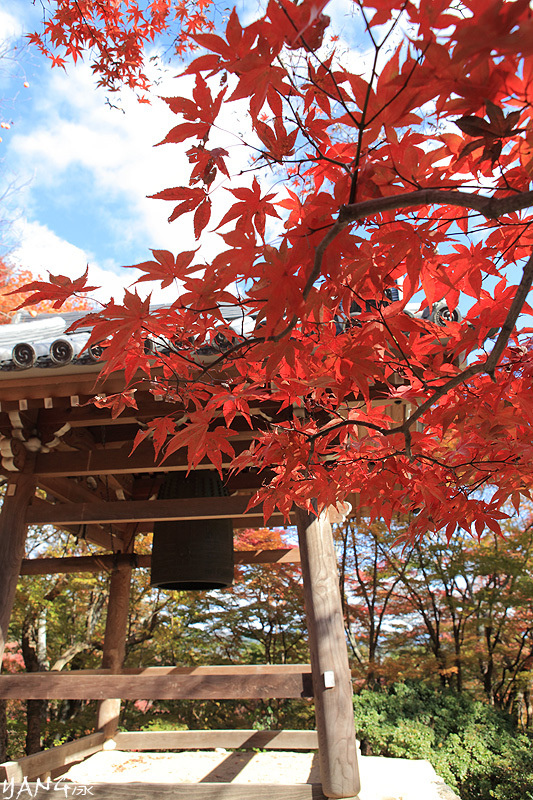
{"x": 381, "y": 778}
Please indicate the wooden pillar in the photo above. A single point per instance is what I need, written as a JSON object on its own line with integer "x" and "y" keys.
{"x": 329, "y": 658}
{"x": 116, "y": 630}
{"x": 19, "y": 492}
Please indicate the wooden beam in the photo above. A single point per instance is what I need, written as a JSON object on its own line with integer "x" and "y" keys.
{"x": 213, "y": 669}
{"x": 181, "y": 791}
{"x": 112, "y": 436}
{"x": 332, "y": 683}
{"x": 19, "y": 491}
{"x": 73, "y": 564}
{"x": 209, "y": 740}
{"x": 100, "y": 512}
{"x": 79, "y": 686}
{"x": 121, "y": 485}
{"x": 97, "y": 534}
{"x": 69, "y": 491}
{"x": 250, "y": 520}
{"x": 108, "y": 561}
{"x": 49, "y": 760}
{"x": 88, "y": 415}
{"x": 60, "y": 382}
{"x": 289, "y": 555}
{"x": 105, "y": 462}
{"x": 76, "y": 491}
{"x": 117, "y": 461}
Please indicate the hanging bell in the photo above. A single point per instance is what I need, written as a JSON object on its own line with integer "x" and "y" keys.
{"x": 192, "y": 554}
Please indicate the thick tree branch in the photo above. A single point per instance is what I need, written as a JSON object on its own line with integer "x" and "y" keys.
{"x": 489, "y": 207}
{"x": 488, "y": 366}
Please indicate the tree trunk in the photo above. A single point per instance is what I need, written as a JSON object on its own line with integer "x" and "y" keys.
{"x": 34, "y": 716}
{"x": 34, "y": 654}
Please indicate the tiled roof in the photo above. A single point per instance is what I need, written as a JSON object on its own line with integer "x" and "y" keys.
{"x": 44, "y": 341}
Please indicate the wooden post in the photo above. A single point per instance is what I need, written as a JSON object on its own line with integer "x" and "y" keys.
{"x": 116, "y": 630}
{"x": 329, "y": 658}
{"x": 19, "y": 492}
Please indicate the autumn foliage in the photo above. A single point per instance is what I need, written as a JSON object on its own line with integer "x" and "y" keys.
{"x": 116, "y": 34}
{"x": 407, "y": 168}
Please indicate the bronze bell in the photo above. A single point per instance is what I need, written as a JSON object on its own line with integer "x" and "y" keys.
{"x": 192, "y": 554}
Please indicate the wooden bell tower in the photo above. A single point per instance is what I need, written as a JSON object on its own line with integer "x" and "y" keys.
{"x": 54, "y": 439}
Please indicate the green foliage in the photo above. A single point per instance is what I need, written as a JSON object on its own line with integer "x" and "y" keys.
{"x": 16, "y": 722}
{"x": 162, "y": 724}
{"x": 474, "y": 747}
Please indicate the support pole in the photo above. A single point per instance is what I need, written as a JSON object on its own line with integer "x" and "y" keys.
{"x": 116, "y": 630}
{"x": 329, "y": 658}
{"x": 19, "y": 492}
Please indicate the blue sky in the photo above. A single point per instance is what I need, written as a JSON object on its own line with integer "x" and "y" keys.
{"x": 81, "y": 169}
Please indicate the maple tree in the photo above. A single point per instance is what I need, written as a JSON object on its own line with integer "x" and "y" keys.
{"x": 409, "y": 170}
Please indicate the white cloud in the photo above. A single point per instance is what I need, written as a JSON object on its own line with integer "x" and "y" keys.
{"x": 10, "y": 26}
{"x": 42, "y": 251}
{"x": 79, "y": 137}
{"x": 78, "y": 131}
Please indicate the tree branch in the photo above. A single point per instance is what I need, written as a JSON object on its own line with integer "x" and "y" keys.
{"x": 490, "y": 207}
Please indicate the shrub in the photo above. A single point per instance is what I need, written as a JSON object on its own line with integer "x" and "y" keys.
{"x": 475, "y": 748}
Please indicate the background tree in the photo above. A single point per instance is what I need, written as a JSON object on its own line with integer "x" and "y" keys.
{"x": 58, "y": 623}
{"x": 369, "y": 578}
{"x": 456, "y": 613}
